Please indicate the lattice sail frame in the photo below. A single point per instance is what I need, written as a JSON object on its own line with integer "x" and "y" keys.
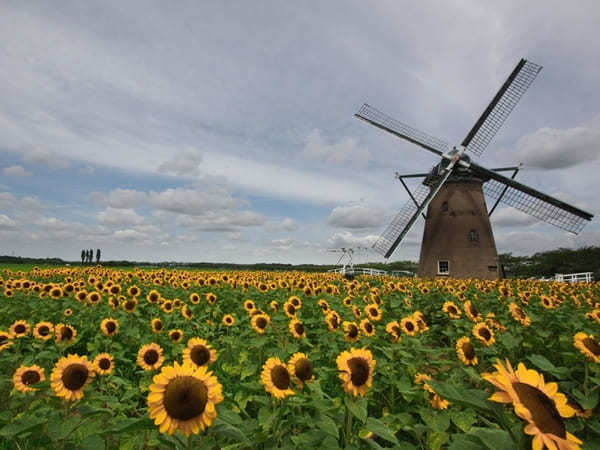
{"x": 534, "y": 206}
{"x": 501, "y": 106}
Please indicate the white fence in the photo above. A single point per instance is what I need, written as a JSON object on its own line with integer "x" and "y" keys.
{"x": 368, "y": 271}
{"x": 574, "y": 277}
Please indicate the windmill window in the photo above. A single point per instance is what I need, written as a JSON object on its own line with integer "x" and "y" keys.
{"x": 445, "y": 206}
{"x": 443, "y": 267}
{"x": 473, "y": 236}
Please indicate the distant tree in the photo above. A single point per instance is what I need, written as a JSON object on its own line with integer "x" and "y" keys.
{"x": 97, "y": 256}
{"x": 83, "y": 255}
{"x": 90, "y": 256}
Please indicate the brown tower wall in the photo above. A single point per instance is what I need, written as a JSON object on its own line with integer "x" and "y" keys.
{"x": 458, "y": 230}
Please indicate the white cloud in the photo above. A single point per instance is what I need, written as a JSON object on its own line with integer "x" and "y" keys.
{"x": 510, "y": 217}
{"x": 15, "y": 171}
{"x": 46, "y": 158}
{"x": 345, "y": 152}
{"x": 193, "y": 201}
{"x": 119, "y": 217}
{"x": 121, "y": 198}
{"x": 183, "y": 163}
{"x": 356, "y": 216}
{"x": 228, "y": 220}
{"x": 6, "y": 222}
{"x": 558, "y": 148}
{"x": 287, "y": 224}
{"x": 347, "y": 239}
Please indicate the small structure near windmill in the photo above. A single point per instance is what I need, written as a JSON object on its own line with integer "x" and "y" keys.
{"x": 458, "y": 240}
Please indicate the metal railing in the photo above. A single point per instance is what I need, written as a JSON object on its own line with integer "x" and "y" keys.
{"x": 574, "y": 277}
{"x": 369, "y": 271}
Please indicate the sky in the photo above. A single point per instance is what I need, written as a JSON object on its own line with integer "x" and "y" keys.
{"x": 225, "y": 131}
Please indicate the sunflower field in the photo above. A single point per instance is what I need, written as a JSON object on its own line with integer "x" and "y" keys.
{"x": 103, "y": 358}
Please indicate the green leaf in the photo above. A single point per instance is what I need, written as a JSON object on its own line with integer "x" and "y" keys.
{"x": 436, "y": 440}
{"x": 586, "y": 402}
{"x": 358, "y": 407}
{"x": 20, "y": 426}
{"x": 541, "y": 362}
{"x": 465, "y": 442}
{"x": 463, "y": 419}
{"x": 327, "y": 425}
{"x": 222, "y": 428}
{"x": 437, "y": 421}
{"x": 472, "y": 398}
{"x": 248, "y": 370}
{"x": 93, "y": 442}
{"x": 494, "y": 439}
{"x": 381, "y": 430}
{"x": 131, "y": 424}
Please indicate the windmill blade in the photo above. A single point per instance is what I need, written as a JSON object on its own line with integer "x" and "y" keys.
{"x": 501, "y": 106}
{"x": 404, "y": 220}
{"x": 532, "y": 202}
{"x": 397, "y": 128}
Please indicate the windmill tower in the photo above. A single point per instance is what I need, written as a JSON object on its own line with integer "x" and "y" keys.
{"x": 458, "y": 240}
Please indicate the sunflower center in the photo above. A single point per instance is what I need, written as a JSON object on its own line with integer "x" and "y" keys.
{"x": 30, "y": 377}
{"x": 485, "y": 333}
{"x": 592, "y": 345}
{"x": 396, "y": 330}
{"x": 104, "y": 364}
{"x": 158, "y": 325}
{"x": 43, "y": 330}
{"x": 468, "y": 350}
{"x": 303, "y": 369}
{"x": 291, "y": 309}
{"x": 352, "y": 331}
{"x": 542, "y": 409}
{"x": 3, "y": 338}
{"x": 200, "y": 355}
{"x": 175, "y": 336}
{"x": 261, "y": 322}
{"x": 299, "y": 328}
{"x": 359, "y": 371}
{"x": 111, "y": 326}
{"x": 75, "y": 376}
{"x": 280, "y": 377}
{"x": 473, "y": 310}
{"x": 20, "y": 328}
{"x": 368, "y": 327}
{"x": 150, "y": 357}
{"x": 409, "y": 326}
{"x": 130, "y": 304}
{"x": 185, "y": 397}
{"x": 66, "y": 333}
{"x": 452, "y": 310}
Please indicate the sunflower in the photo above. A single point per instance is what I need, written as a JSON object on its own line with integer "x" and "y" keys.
{"x": 156, "y": 325}
{"x": 351, "y": 331}
{"x": 518, "y": 314}
{"x": 322, "y": 303}
{"x": 132, "y": 291}
{"x": 419, "y": 318}
{"x": 43, "y": 330}
{"x": 186, "y": 312}
{"x": 56, "y": 292}
{"x": 153, "y": 296}
{"x": 482, "y": 332}
{"x": 300, "y": 369}
{"x": 347, "y": 301}
{"x": 93, "y": 297}
{"x": 194, "y": 298}
{"x": 249, "y": 305}
{"x": 199, "y": 353}
{"x": 472, "y": 313}
{"x": 394, "y": 330}
{"x": 297, "y": 329}
{"x": 5, "y": 340}
{"x": 228, "y": 320}
{"x": 536, "y": 402}
{"x": 466, "y": 352}
{"x": 64, "y": 333}
{"x": 109, "y": 326}
{"x": 150, "y": 357}
{"x": 114, "y": 302}
{"x": 373, "y": 312}
{"x": 183, "y": 397}
{"x": 333, "y": 320}
{"x": 289, "y": 310}
{"x": 587, "y": 345}
{"x": 294, "y": 300}
{"x": 81, "y": 295}
{"x": 176, "y": 335}
{"x": 547, "y": 302}
{"x": 25, "y": 376}
{"x": 356, "y": 370}
{"x": 211, "y": 298}
{"x": 70, "y": 375}
{"x": 409, "y": 326}
{"x": 104, "y": 363}
{"x": 367, "y": 327}
{"x": 260, "y": 322}
{"x": 19, "y": 329}
{"x": 130, "y": 304}
{"x": 276, "y": 378}
{"x": 437, "y": 402}
{"x": 452, "y": 310}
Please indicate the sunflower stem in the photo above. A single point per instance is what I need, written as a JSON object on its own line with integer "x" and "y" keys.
{"x": 585, "y": 381}
{"x": 348, "y": 428}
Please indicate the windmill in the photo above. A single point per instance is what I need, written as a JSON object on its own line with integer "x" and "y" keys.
{"x": 458, "y": 239}
{"x": 347, "y": 269}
